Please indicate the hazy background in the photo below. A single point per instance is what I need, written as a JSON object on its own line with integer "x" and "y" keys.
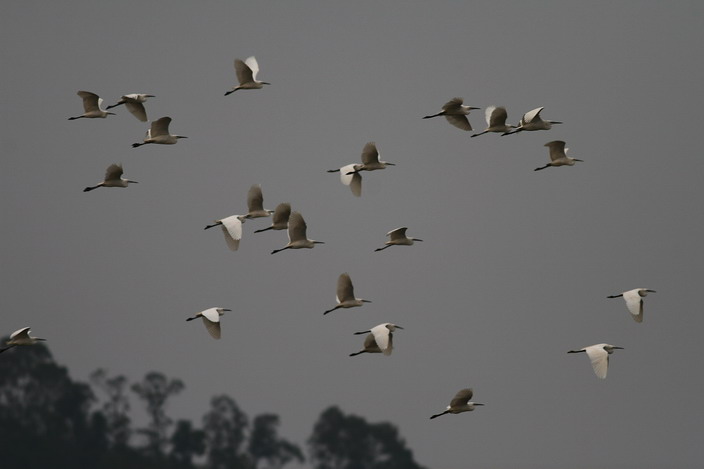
{"x": 515, "y": 267}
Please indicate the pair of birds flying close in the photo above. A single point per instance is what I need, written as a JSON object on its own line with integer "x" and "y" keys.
{"x": 350, "y": 174}
{"x": 92, "y": 105}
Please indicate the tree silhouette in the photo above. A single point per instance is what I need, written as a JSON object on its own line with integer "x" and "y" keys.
{"x": 342, "y": 441}
{"x": 186, "y": 443}
{"x": 155, "y": 390}
{"x": 265, "y": 444}
{"x": 225, "y": 426}
{"x": 45, "y": 418}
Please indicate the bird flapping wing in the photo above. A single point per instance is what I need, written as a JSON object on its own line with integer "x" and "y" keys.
{"x": 90, "y": 100}
{"x": 213, "y": 328}
{"x": 296, "y": 227}
{"x": 345, "y": 290}
{"x": 461, "y": 122}
{"x": 160, "y": 127}
{"x": 255, "y": 199}
{"x": 462, "y": 397}
{"x": 370, "y": 154}
{"x": 282, "y": 213}
{"x": 453, "y": 105}
{"x": 557, "y": 149}
{"x": 114, "y": 172}
{"x": 244, "y": 73}
{"x": 398, "y": 233}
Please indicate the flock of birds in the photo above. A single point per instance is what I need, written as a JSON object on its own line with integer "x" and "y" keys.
{"x": 378, "y": 339}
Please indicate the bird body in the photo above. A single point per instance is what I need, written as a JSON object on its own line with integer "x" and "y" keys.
{"x": 455, "y": 113}
{"x": 558, "y": 155}
{"x": 398, "y": 237}
{"x": 531, "y": 121}
{"x": 113, "y": 178}
{"x": 91, "y": 106}
{"x": 350, "y": 177}
{"x": 495, "y": 120}
{"x": 159, "y": 133}
{"x": 460, "y": 403}
{"x": 345, "y": 294}
{"x": 255, "y": 203}
{"x": 297, "y": 238}
{"x": 247, "y": 75}
{"x": 383, "y": 336}
{"x": 280, "y": 218}
{"x": 231, "y": 228}
{"x": 599, "y": 356}
{"x": 211, "y": 320}
{"x": 370, "y": 160}
{"x": 21, "y": 337}
{"x": 134, "y": 103}
{"x": 634, "y": 301}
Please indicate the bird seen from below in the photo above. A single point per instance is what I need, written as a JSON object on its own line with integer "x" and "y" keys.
{"x": 91, "y": 106}
{"x": 599, "y": 356}
{"x": 495, "y": 121}
{"x": 634, "y": 301}
{"x": 134, "y": 103}
{"x": 345, "y": 294}
{"x": 558, "y": 155}
{"x": 255, "y": 203}
{"x": 297, "y": 238}
{"x": 211, "y": 319}
{"x": 350, "y": 177}
{"x": 383, "y": 336}
{"x": 20, "y": 337}
{"x": 247, "y": 75}
{"x": 113, "y": 178}
{"x": 460, "y": 403}
{"x": 370, "y": 160}
{"x": 455, "y": 113}
{"x": 159, "y": 133}
{"x": 231, "y": 228}
{"x": 398, "y": 237}
{"x": 531, "y": 121}
{"x": 279, "y": 221}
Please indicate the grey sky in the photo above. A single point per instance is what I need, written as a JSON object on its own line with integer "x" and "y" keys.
{"x": 515, "y": 267}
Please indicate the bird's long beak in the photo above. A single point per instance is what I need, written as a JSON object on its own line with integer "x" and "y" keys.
{"x": 578, "y": 160}
{"x": 555, "y": 122}
{"x": 133, "y": 182}
{"x": 366, "y": 301}
{"x": 150, "y": 96}
{"x": 620, "y": 348}
{"x": 399, "y": 327}
{"x": 265, "y": 83}
{"x": 470, "y": 107}
{"x": 225, "y": 309}
{"x": 651, "y": 291}
{"x": 477, "y": 403}
{"x": 37, "y": 338}
{"x": 391, "y": 164}
{"x": 362, "y": 332}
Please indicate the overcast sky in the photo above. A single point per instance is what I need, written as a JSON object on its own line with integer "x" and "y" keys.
{"x": 515, "y": 266}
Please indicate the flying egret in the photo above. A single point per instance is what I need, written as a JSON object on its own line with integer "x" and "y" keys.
{"x": 455, "y": 113}
{"x": 370, "y": 345}
{"x": 349, "y": 177}
{"x": 91, "y": 106}
{"x": 383, "y": 336}
{"x": 247, "y": 75}
{"x": 370, "y": 160}
{"x": 113, "y": 178}
{"x": 159, "y": 133}
{"x": 133, "y": 103}
{"x": 495, "y": 120}
{"x": 398, "y": 237}
{"x": 634, "y": 301}
{"x": 558, "y": 155}
{"x": 280, "y": 219}
{"x": 20, "y": 337}
{"x": 460, "y": 403}
{"x": 531, "y": 120}
{"x": 231, "y": 228}
{"x": 255, "y": 203}
{"x": 297, "y": 238}
{"x": 599, "y": 356}
{"x": 211, "y": 319}
{"x": 345, "y": 294}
